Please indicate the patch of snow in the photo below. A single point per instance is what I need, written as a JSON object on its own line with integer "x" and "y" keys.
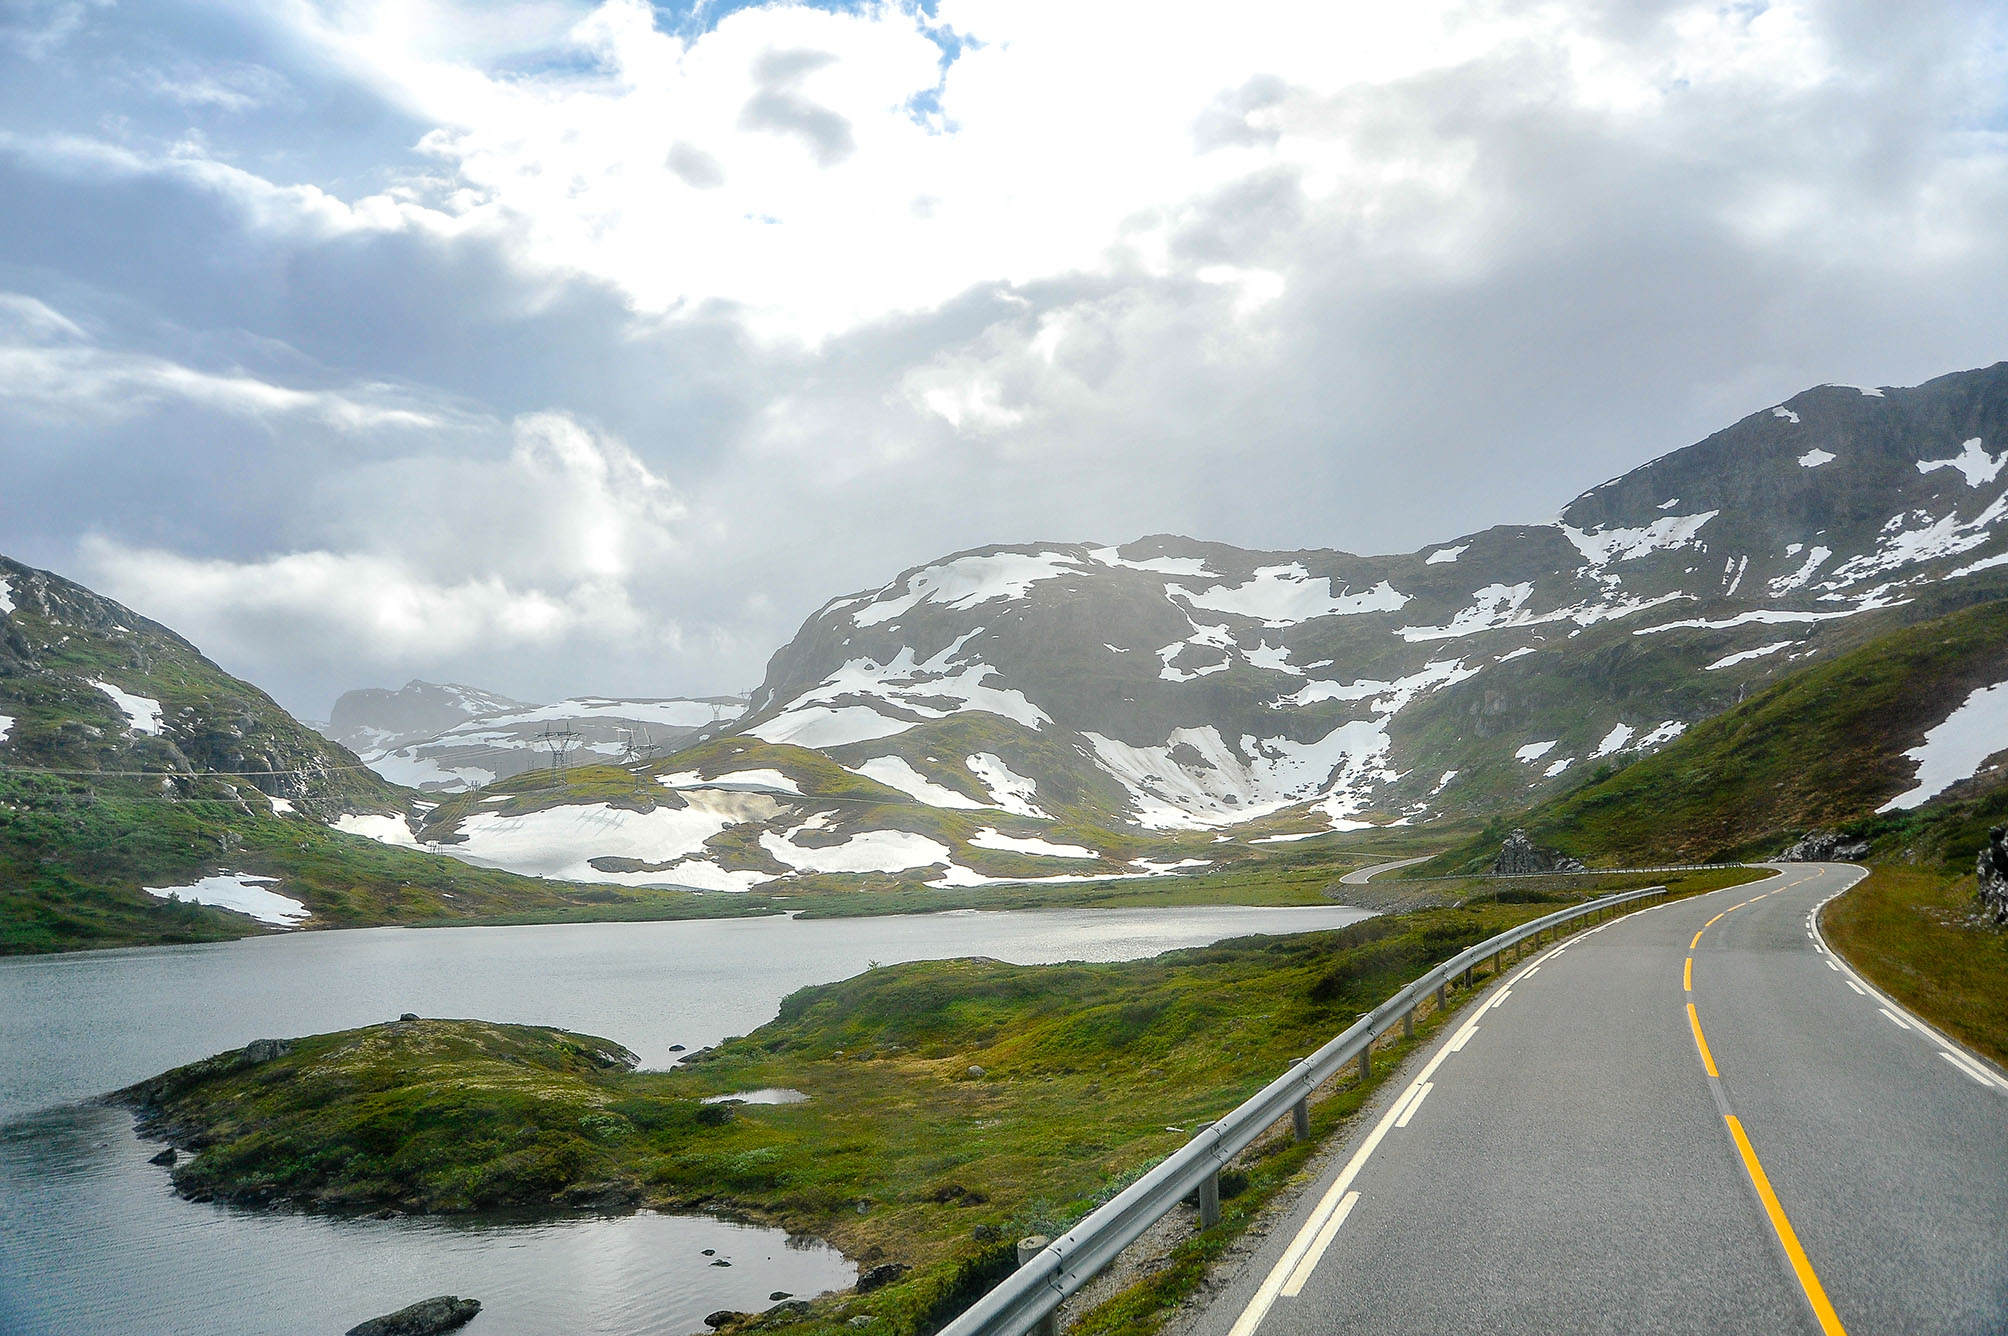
{"x": 1010, "y": 792}
{"x": 1954, "y": 749}
{"x": 668, "y": 713}
{"x": 1815, "y": 559}
{"x": 1534, "y": 751}
{"x": 1286, "y": 595}
{"x": 1730, "y": 660}
{"x": 991, "y": 838}
{"x": 1614, "y": 741}
{"x": 827, "y": 726}
{"x": 1108, "y": 556}
{"x": 1738, "y": 565}
{"x": 1387, "y": 697}
{"x": 1669, "y": 505}
{"x": 561, "y": 841}
{"x": 1446, "y": 554}
{"x": 752, "y": 781}
{"x": 6, "y": 595}
{"x": 1115, "y": 649}
{"x": 1289, "y": 839}
{"x": 1213, "y": 782}
{"x": 407, "y": 766}
{"x": 142, "y": 712}
{"x": 1514, "y": 654}
{"x": 967, "y": 582}
{"x": 1783, "y": 412}
{"x": 1763, "y": 616}
{"x": 896, "y": 772}
{"x": 1559, "y": 766}
{"x": 382, "y": 829}
{"x": 1443, "y": 783}
{"x": 1812, "y": 459}
{"x": 1159, "y": 869}
{"x": 1898, "y": 545}
{"x": 242, "y": 894}
{"x": 1984, "y": 564}
{"x": 705, "y": 875}
{"x": 1972, "y": 461}
{"x": 1602, "y": 547}
{"x": 1492, "y": 607}
{"x": 1867, "y": 392}
{"x": 280, "y": 806}
{"x": 1666, "y": 732}
{"x": 1275, "y": 659}
{"x": 6, "y": 726}
{"x": 868, "y": 851}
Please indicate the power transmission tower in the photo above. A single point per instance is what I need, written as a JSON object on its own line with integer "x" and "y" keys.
{"x": 558, "y": 743}
{"x": 637, "y": 745}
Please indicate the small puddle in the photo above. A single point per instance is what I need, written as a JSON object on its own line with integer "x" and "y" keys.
{"x": 769, "y": 1095}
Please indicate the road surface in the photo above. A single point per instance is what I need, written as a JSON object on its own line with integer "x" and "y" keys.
{"x": 1692, "y": 1119}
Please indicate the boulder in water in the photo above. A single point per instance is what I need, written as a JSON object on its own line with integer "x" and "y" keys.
{"x": 425, "y": 1318}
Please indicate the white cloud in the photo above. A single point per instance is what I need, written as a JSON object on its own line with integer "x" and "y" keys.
{"x": 49, "y": 366}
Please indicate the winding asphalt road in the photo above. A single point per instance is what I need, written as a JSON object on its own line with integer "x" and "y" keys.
{"x": 1692, "y": 1119}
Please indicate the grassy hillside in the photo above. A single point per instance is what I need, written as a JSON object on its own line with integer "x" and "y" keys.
{"x": 1822, "y": 748}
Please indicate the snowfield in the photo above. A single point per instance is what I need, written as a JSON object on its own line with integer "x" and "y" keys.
{"x": 142, "y": 712}
{"x": 244, "y": 895}
{"x": 1955, "y": 749}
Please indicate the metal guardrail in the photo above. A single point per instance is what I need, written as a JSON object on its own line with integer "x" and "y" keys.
{"x": 1586, "y": 872}
{"x": 1025, "y": 1299}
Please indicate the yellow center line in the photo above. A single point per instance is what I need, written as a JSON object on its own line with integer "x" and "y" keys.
{"x": 1707, "y": 1059}
{"x": 1687, "y": 976}
{"x": 1809, "y": 1280}
{"x": 1711, "y": 923}
{"x": 1697, "y": 940}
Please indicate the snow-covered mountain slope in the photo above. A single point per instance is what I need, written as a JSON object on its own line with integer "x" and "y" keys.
{"x": 1116, "y": 706}
{"x": 378, "y": 719}
{"x": 492, "y": 737}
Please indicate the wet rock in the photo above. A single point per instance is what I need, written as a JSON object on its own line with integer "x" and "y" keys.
{"x": 1824, "y": 846}
{"x": 676, "y": 1048}
{"x": 882, "y": 1275}
{"x": 441, "y": 1313}
{"x": 1520, "y": 856}
{"x": 720, "y": 1262}
{"x": 409, "y": 1016}
{"x": 786, "y": 1312}
{"x": 264, "y": 1050}
{"x": 1993, "y": 873}
{"x": 724, "y": 1317}
{"x": 778, "y": 1295}
{"x": 710, "y": 1252}
{"x": 167, "y": 1156}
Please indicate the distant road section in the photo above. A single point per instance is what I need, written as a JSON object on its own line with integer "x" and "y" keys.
{"x": 1360, "y": 876}
{"x": 1690, "y": 1120}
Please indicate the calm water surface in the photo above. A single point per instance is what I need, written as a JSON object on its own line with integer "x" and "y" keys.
{"x": 93, "y": 1240}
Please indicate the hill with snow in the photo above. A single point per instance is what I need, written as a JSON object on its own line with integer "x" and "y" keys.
{"x": 1068, "y": 710}
{"x": 451, "y": 738}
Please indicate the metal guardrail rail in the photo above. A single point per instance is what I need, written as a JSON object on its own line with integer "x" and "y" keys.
{"x": 1023, "y": 1300}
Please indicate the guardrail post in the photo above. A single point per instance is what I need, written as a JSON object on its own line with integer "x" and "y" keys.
{"x": 1442, "y": 998}
{"x": 1209, "y": 1200}
{"x": 1029, "y": 1247}
{"x": 1300, "y": 1118}
{"x": 1367, "y": 1061}
{"x": 1408, "y": 1024}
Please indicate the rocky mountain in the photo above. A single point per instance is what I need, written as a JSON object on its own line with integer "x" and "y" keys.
{"x": 1072, "y": 709}
{"x": 146, "y": 795}
{"x": 451, "y": 738}
{"x": 378, "y": 719}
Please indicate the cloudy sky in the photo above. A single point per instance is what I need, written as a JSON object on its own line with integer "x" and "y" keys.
{"x": 566, "y": 347}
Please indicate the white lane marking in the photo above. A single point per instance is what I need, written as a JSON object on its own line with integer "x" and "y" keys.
{"x": 1295, "y": 1285}
{"x": 1965, "y": 1067}
{"x": 1463, "y": 1038}
{"x": 1414, "y": 1104}
{"x": 1504, "y": 993}
{"x": 1857, "y": 987}
{"x": 1894, "y": 1019}
{"x": 1836, "y": 969}
{"x": 1531, "y": 973}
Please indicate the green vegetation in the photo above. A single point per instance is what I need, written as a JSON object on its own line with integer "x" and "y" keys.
{"x": 75, "y": 855}
{"x": 954, "y": 1105}
{"x": 1918, "y": 935}
{"x": 1824, "y": 747}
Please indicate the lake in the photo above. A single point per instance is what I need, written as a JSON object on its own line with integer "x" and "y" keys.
{"x": 94, "y": 1240}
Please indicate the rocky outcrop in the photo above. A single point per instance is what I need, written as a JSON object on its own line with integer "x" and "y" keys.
{"x": 1520, "y": 856}
{"x": 1824, "y": 846}
{"x": 1993, "y": 872}
{"x": 882, "y": 1275}
{"x": 443, "y": 1312}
